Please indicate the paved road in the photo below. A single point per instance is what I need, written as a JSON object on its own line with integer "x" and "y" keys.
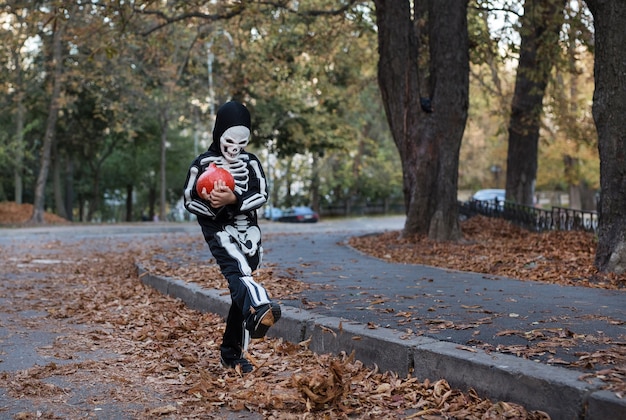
{"x": 424, "y": 313}
{"x": 461, "y": 307}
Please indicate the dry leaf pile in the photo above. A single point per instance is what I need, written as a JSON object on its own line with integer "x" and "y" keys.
{"x": 12, "y": 213}
{"x": 119, "y": 343}
{"x": 497, "y": 247}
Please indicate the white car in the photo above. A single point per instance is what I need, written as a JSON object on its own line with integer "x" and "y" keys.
{"x": 491, "y": 195}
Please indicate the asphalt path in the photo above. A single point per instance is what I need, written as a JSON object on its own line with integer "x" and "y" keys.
{"x": 474, "y": 310}
{"x": 543, "y": 322}
{"x": 461, "y": 307}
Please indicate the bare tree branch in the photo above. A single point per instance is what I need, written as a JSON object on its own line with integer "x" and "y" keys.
{"x": 332, "y": 12}
{"x": 166, "y": 20}
{"x": 236, "y": 10}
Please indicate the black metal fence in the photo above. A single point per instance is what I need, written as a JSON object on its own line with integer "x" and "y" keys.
{"x": 366, "y": 209}
{"x": 532, "y": 218}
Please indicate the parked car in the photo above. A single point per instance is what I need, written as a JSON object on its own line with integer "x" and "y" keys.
{"x": 272, "y": 213}
{"x": 491, "y": 195}
{"x": 299, "y": 215}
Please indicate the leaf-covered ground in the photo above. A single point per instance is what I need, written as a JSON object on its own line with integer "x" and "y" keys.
{"x": 496, "y": 247}
{"x": 159, "y": 358}
{"x": 119, "y": 343}
{"x": 164, "y": 355}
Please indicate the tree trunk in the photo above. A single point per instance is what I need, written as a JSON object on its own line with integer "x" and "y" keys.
{"x": 315, "y": 184}
{"x": 69, "y": 189}
{"x": 129, "y": 203}
{"x": 575, "y": 199}
{"x": 163, "y": 186}
{"x": 53, "y": 114}
{"x": 427, "y": 130}
{"x": 152, "y": 196}
{"x": 288, "y": 180}
{"x": 81, "y": 207}
{"x": 19, "y": 130}
{"x": 57, "y": 183}
{"x": 95, "y": 202}
{"x": 609, "y": 108}
{"x": 539, "y": 34}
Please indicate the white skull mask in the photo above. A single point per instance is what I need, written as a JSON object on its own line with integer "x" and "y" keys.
{"x": 233, "y": 141}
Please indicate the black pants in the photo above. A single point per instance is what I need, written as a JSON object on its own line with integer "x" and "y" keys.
{"x": 237, "y": 268}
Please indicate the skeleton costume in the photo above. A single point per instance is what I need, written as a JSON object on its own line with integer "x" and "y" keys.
{"x": 232, "y": 231}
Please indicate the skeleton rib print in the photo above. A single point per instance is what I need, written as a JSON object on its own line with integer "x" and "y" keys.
{"x": 239, "y": 170}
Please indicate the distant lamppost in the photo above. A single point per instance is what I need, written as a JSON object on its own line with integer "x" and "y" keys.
{"x": 495, "y": 170}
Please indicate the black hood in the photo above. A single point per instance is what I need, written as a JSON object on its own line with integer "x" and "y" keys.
{"x": 231, "y": 114}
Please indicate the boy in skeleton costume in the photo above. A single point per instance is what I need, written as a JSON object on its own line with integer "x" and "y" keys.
{"x": 229, "y": 225}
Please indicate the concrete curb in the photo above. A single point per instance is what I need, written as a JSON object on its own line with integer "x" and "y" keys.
{"x": 556, "y": 391}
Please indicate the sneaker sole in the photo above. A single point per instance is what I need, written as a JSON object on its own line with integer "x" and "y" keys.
{"x": 268, "y": 319}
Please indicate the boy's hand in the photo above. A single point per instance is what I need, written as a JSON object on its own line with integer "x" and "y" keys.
{"x": 221, "y": 195}
{"x": 204, "y": 195}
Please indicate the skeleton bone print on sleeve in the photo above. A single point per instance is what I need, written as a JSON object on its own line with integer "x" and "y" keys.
{"x": 195, "y": 206}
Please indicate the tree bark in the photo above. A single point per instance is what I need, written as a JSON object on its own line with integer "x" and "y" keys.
{"x": 129, "y": 203}
{"x": 609, "y": 108}
{"x": 539, "y": 34}
{"x": 19, "y": 129}
{"x": 53, "y": 114}
{"x": 152, "y": 197}
{"x": 95, "y": 202}
{"x": 57, "y": 183}
{"x": 427, "y": 130}
{"x": 69, "y": 189}
{"x": 315, "y": 184}
{"x": 162, "y": 164}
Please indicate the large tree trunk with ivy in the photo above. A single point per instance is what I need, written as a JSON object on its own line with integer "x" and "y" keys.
{"x": 427, "y": 122}
{"x": 609, "y": 108}
{"x": 541, "y": 23}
